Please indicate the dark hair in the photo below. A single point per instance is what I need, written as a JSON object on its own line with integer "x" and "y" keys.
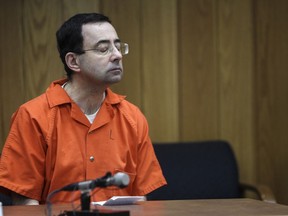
{"x": 69, "y": 35}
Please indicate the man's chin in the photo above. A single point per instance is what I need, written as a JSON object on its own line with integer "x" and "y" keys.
{"x": 115, "y": 79}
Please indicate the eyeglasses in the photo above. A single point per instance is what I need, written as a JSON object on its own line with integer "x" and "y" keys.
{"x": 107, "y": 48}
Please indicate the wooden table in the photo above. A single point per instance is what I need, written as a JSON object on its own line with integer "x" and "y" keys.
{"x": 174, "y": 208}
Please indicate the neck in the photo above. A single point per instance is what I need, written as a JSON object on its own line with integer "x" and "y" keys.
{"x": 88, "y": 99}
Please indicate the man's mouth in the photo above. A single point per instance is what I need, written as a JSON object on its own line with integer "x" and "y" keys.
{"x": 118, "y": 69}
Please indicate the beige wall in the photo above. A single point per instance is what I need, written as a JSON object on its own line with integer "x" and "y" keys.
{"x": 198, "y": 69}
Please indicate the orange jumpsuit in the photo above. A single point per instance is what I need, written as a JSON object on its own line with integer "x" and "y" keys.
{"x": 51, "y": 144}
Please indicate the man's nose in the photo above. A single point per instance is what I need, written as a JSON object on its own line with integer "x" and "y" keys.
{"x": 116, "y": 54}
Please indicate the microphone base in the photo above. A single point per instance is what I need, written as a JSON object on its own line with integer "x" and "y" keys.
{"x": 98, "y": 212}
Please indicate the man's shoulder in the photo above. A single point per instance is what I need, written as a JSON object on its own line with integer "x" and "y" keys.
{"x": 131, "y": 111}
{"x": 128, "y": 105}
{"x": 36, "y": 108}
{"x": 53, "y": 96}
{"x": 35, "y": 103}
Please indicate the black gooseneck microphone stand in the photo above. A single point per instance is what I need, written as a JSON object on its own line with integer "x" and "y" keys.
{"x": 85, "y": 200}
{"x": 86, "y": 188}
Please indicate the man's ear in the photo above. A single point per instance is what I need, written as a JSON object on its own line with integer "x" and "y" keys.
{"x": 72, "y": 61}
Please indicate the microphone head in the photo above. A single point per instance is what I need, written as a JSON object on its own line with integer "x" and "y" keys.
{"x": 121, "y": 179}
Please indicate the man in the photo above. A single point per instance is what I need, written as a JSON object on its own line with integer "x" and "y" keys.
{"x": 79, "y": 129}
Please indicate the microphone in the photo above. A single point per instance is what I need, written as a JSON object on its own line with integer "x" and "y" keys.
{"x": 120, "y": 180}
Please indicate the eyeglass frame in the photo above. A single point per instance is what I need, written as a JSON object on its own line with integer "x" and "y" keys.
{"x": 124, "y": 49}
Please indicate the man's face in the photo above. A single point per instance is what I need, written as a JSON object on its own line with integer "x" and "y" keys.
{"x": 97, "y": 65}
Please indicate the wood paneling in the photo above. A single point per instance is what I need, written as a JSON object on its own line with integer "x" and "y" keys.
{"x": 198, "y": 72}
{"x": 40, "y": 61}
{"x": 235, "y": 79}
{"x": 69, "y": 8}
{"x": 159, "y": 65}
{"x": 272, "y": 94}
{"x": 11, "y": 62}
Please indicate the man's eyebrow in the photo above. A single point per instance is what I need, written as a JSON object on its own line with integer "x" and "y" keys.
{"x": 107, "y": 41}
